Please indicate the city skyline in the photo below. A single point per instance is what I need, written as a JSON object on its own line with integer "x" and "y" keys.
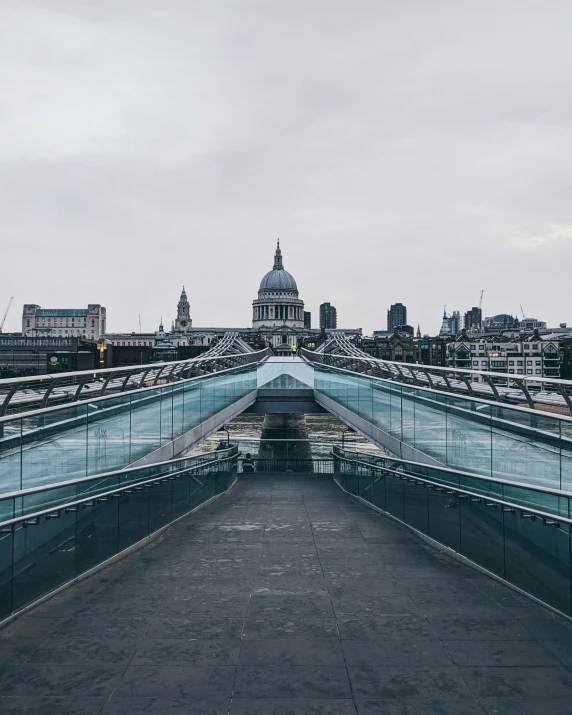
{"x": 167, "y": 318}
{"x": 397, "y": 155}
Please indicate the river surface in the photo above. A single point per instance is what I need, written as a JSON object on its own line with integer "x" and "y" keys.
{"x": 323, "y": 430}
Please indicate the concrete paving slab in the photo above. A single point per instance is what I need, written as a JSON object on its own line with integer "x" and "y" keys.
{"x": 291, "y": 681}
{"x": 291, "y": 706}
{"x": 40, "y": 705}
{"x": 196, "y": 705}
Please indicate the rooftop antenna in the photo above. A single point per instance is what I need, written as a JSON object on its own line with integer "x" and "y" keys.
{"x": 140, "y": 323}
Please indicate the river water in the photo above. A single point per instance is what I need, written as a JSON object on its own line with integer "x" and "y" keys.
{"x": 323, "y": 431}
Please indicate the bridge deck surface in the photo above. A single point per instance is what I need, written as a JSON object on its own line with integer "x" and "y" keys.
{"x": 286, "y": 597}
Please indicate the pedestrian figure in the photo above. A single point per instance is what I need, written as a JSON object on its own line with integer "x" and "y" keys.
{"x": 247, "y": 463}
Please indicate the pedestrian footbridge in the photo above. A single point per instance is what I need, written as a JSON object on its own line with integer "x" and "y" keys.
{"x": 136, "y": 578}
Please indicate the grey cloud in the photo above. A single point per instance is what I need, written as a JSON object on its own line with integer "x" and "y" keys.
{"x": 402, "y": 151}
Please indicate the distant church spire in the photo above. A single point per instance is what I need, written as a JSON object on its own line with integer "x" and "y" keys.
{"x": 183, "y": 321}
{"x": 278, "y": 258}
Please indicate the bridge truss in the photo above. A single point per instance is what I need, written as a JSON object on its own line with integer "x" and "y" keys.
{"x": 29, "y": 393}
{"x": 533, "y": 391}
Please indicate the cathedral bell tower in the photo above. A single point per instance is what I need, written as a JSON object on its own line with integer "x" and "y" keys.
{"x": 183, "y": 321}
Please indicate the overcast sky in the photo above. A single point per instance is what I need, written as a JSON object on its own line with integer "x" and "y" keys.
{"x": 415, "y": 151}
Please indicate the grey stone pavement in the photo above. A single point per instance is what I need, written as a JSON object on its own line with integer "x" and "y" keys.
{"x": 287, "y": 597}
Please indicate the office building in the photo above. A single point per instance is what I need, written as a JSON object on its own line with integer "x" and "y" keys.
{"x": 21, "y": 356}
{"x": 396, "y": 316}
{"x": 328, "y": 317}
{"x": 473, "y": 320}
{"x": 87, "y": 323}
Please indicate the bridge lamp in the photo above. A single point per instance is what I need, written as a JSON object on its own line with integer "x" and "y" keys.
{"x": 346, "y": 431}
{"x": 224, "y": 428}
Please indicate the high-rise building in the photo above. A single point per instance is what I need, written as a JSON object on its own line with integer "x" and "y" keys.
{"x": 64, "y": 322}
{"x": 307, "y": 319}
{"x": 328, "y": 316}
{"x": 473, "y": 319}
{"x": 396, "y": 316}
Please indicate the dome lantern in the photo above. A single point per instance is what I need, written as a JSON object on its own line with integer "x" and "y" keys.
{"x": 278, "y": 279}
{"x": 278, "y": 258}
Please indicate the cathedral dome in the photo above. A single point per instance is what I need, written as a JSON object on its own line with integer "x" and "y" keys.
{"x": 278, "y": 302}
{"x": 278, "y": 279}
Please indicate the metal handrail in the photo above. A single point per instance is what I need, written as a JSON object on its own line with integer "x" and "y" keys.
{"x": 554, "y": 519}
{"x": 50, "y": 512}
{"x": 362, "y": 356}
{"x": 99, "y": 398}
{"x": 494, "y": 396}
{"x": 77, "y": 385}
{"x": 233, "y": 451}
{"x": 450, "y": 470}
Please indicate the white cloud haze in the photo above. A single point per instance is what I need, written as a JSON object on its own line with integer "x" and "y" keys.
{"x": 414, "y": 152}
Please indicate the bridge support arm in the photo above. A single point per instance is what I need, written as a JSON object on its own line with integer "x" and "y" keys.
{"x": 566, "y": 396}
{"x": 527, "y": 394}
{"x": 11, "y": 392}
{"x": 493, "y": 387}
{"x": 80, "y": 387}
{"x": 48, "y": 392}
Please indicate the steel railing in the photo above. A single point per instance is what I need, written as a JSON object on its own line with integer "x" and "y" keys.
{"x": 27, "y": 393}
{"x": 552, "y": 504}
{"x": 525, "y": 545}
{"x": 532, "y": 390}
{"x": 97, "y": 488}
{"x": 51, "y": 547}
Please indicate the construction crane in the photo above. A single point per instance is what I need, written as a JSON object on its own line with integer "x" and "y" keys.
{"x": 6, "y": 313}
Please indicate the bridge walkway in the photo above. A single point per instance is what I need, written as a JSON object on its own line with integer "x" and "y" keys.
{"x": 286, "y": 597}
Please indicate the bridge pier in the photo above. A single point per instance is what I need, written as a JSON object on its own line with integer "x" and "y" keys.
{"x": 277, "y": 431}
